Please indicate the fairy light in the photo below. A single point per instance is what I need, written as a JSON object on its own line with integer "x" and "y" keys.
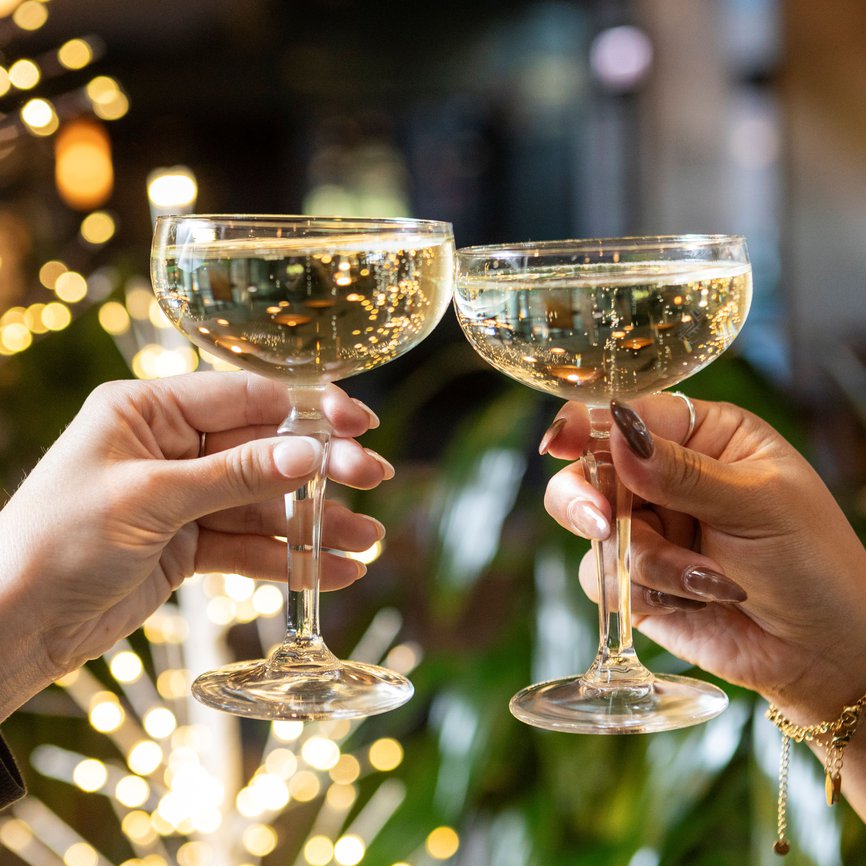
{"x": 90, "y": 774}
{"x": 145, "y": 757}
{"x": 80, "y": 854}
{"x": 15, "y": 834}
{"x": 98, "y": 227}
{"x": 24, "y": 74}
{"x": 271, "y": 790}
{"x": 346, "y": 770}
{"x": 33, "y": 318}
{"x": 341, "y": 797}
{"x": 5, "y": 82}
{"x": 30, "y": 15}
{"x": 15, "y": 337}
{"x": 50, "y": 271}
{"x": 221, "y": 610}
{"x": 195, "y": 853}
{"x": 349, "y": 850}
{"x": 40, "y": 117}
{"x": 173, "y": 683}
{"x": 304, "y": 786}
{"x": 267, "y": 600}
{"x": 132, "y": 791}
{"x": 403, "y": 658}
{"x": 319, "y": 850}
{"x": 287, "y": 732}
{"x": 75, "y": 54}
{"x": 106, "y": 714}
{"x": 259, "y": 839}
{"x": 70, "y": 287}
{"x": 126, "y": 666}
{"x": 282, "y": 762}
{"x": 442, "y": 843}
{"x": 56, "y": 316}
{"x": 320, "y": 753}
{"x": 385, "y": 754}
{"x": 238, "y": 588}
{"x": 159, "y": 722}
{"x": 113, "y": 318}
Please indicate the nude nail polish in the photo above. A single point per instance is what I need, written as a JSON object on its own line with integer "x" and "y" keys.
{"x": 550, "y": 434}
{"x": 374, "y": 418}
{"x": 386, "y": 466}
{"x": 711, "y": 584}
{"x": 632, "y": 427}
{"x": 587, "y": 520}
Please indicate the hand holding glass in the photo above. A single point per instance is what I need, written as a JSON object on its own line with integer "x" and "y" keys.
{"x": 591, "y": 321}
{"x": 306, "y": 301}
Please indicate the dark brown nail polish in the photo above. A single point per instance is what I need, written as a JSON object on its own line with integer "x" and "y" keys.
{"x": 657, "y": 598}
{"x": 633, "y": 428}
{"x": 550, "y": 434}
{"x": 710, "y": 584}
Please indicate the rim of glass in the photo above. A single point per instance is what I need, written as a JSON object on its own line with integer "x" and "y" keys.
{"x": 309, "y": 221}
{"x": 595, "y": 245}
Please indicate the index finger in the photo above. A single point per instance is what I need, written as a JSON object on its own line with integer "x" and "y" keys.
{"x": 215, "y": 401}
{"x": 666, "y": 415}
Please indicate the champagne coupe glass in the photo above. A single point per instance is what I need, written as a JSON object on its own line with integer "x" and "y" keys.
{"x": 306, "y": 301}
{"x": 592, "y": 320}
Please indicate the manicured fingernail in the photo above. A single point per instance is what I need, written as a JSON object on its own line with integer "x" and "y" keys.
{"x": 374, "y": 418}
{"x": 298, "y": 456}
{"x": 710, "y": 584}
{"x": 632, "y": 427}
{"x": 587, "y": 520}
{"x": 380, "y": 527}
{"x": 386, "y": 466}
{"x": 362, "y": 569}
{"x": 550, "y": 434}
{"x": 657, "y": 598}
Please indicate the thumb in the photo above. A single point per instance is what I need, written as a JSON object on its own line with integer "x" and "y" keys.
{"x": 252, "y": 472}
{"x": 673, "y": 476}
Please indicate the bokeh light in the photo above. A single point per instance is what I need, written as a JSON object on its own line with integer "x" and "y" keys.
{"x": 442, "y": 843}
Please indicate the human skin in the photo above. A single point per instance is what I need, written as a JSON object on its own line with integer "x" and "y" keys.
{"x": 779, "y": 601}
{"x": 126, "y": 505}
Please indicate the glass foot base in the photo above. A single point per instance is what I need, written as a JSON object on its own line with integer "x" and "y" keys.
{"x": 573, "y": 705}
{"x": 258, "y": 690}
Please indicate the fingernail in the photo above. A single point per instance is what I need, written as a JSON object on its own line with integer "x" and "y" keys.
{"x": 389, "y": 469}
{"x": 362, "y": 569}
{"x": 587, "y": 520}
{"x": 550, "y": 434}
{"x": 297, "y": 456}
{"x": 633, "y": 428}
{"x": 380, "y": 527}
{"x": 710, "y": 584}
{"x": 657, "y": 598}
{"x": 374, "y": 418}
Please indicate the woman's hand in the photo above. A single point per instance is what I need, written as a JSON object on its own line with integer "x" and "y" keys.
{"x": 150, "y": 483}
{"x": 742, "y": 562}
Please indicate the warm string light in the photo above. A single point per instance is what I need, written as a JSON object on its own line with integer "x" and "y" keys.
{"x": 169, "y": 806}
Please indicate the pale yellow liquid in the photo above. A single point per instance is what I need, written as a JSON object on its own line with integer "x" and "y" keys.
{"x": 597, "y": 331}
{"x": 285, "y": 308}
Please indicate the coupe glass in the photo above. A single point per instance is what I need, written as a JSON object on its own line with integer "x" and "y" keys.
{"x": 592, "y": 320}
{"x": 306, "y": 301}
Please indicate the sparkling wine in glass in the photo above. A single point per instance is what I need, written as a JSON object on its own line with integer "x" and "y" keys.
{"x": 590, "y": 321}
{"x": 305, "y": 301}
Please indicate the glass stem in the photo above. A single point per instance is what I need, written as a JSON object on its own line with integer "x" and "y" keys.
{"x": 304, "y": 646}
{"x": 616, "y": 664}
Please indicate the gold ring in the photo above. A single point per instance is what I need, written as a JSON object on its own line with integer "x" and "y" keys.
{"x": 692, "y": 414}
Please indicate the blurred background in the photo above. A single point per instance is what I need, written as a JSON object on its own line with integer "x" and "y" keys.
{"x": 514, "y": 120}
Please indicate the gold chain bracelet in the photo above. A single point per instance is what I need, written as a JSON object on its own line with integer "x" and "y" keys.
{"x": 838, "y": 734}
